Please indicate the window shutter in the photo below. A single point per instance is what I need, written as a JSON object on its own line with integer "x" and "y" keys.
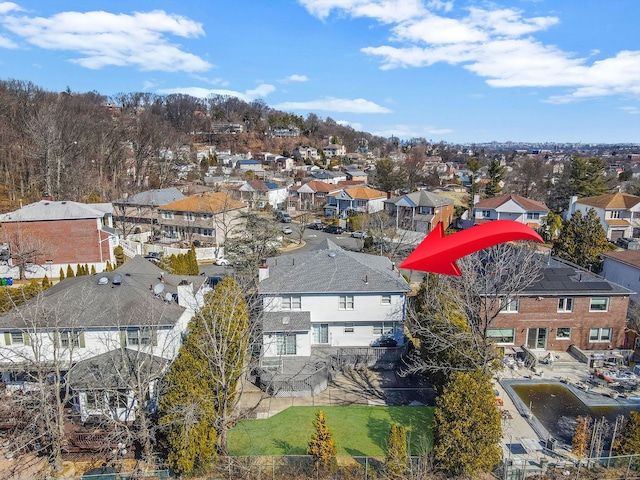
{"x": 81, "y": 340}
{"x": 123, "y": 338}
{"x": 26, "y": 338}
{"x": 154, "y": 337}
{"x": 7, "y": 338}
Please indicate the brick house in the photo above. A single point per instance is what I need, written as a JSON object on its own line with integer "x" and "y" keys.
{"x": 59, "y": 234}
{"x": 565, "y": 306}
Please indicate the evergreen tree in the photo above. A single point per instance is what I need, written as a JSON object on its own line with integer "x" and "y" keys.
{"x": 582, "y": 241}
{"x": 466, "y": 426}
{"x": 61, "y": 274}
{"x": 70, "y": 272}
{"x": 216, "y": 348}
{"x": 85, "y": 269}
{"x": 496, "y": 175}
{"x": 630, "y": 442}
{"x": 551, "y": 227}
{"x": 581, "y": 436}
{"x": 584, "y": 177}
{"x": 397, "y": 458}
{"x": 473, "y": 165}
{"x": 45, "y": 283}
{"x": 118, "y": 253}
{"x": 321, "y": 446}
{"x": 79, "y": 270}
{"x": 93, "y": 269}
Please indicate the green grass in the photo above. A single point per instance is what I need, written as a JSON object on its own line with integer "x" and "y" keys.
{"x": 357, "y": 431}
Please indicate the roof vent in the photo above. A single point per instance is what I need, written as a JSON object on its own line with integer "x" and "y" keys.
{"x": 285, "y": 320}
{"x": 332, "y": 254}
{"x": 117, "y": 279}
{"x": 103, "y": 281}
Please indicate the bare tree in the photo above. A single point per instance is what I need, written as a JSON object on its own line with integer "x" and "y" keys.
{"x": 452, "y": 315}
{"x": 25, "y": 247}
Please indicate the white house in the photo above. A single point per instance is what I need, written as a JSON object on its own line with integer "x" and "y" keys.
{"x": 257, "y": 194}
{"x": 137, "y": 307}
{"x": 330, "y": 297}
{"x": 619, "y": 213}
{"x": 623, "y": 267}
{"x": 510, "y": 207}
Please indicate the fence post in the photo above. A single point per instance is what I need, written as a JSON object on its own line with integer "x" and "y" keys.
{"x": 366, "y": 468}
{"x": 626, "y": 475}
{"x": 273, "y": 468}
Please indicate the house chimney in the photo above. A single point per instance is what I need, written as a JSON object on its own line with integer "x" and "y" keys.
{"x": 263, "y": 270}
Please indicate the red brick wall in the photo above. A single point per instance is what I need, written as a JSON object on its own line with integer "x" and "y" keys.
{"x": 534, "y": 313}
{"x": 63, "y": 241}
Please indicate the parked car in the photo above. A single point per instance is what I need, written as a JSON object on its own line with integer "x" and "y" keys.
{"x": 287, "y": 230}
{"x": 282, "y": 216}
{"x": 315, "y": 226}
{"x": 333, "y": 229}
{"x": 222, "y": 262}
{"x": 358, "y": 234}
{"x": 387, "y": 342}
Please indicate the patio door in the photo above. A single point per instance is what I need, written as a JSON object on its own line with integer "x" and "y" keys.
{"x": 537, "y": 338}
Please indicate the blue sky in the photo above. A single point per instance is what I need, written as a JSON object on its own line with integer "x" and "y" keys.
{"x": 453, "y": 71}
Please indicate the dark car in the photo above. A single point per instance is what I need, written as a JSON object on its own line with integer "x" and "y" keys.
{"x": 387, "y": 342}
{"x": 334, "y": 229}
{"x": 315, "y": 226}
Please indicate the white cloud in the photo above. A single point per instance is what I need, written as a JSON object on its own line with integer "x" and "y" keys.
{"x": 385, "y": 11}
{"x": 103, "y": 38}
{"x": 355, "y": 125}
{"x": 296, "y": 78}
{"x": 7, "y": 42}
{"x": 6, "y": 7}
{"x": 330, "y": 104}
{"x": 248, "y": 96}
{"x": 631, "y": 110}
{"x": 411, "y": 131}
{"x": 496, "y": 44}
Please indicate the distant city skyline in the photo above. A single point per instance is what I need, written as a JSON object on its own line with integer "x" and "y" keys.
{"x": 456, "y": 71}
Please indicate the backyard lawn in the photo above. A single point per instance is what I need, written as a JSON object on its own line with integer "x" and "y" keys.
{"x": 357, "y": 431}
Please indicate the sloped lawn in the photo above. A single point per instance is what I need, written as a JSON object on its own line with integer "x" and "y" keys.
{"x": 357, "y": 431}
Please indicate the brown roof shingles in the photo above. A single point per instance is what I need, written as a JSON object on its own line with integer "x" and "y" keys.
{"x": 611, "y": 201}
{"x": 206, "y": 203}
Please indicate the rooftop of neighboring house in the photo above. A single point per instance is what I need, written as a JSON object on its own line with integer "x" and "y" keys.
{"x": 562, "y": 278}
{"x": 628, "y": 257}
{"x": 362, "y": 193}
{"x": 116, "y": 369}
{"x": 153, "y": 198}
{"x": 611, "y": 200}
{"x": 526, "y": 203}
{"x": 211, "y": 203}
{"x": 324, "y": 174}
{"x": 422, "y": 198}
{"x": 133, "y": 294}
{"x": 329, "y": 268}
{"x": 316, "y": 186}
{"x": 64, "y": 210}
{"x": 259, "y": 186}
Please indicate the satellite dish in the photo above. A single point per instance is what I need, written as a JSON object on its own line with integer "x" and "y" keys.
{"x": 158, "y": 289}
{"x": 103, "y": 281}
{"x": 117, "y": 279}
{"x": 168, "y": 297}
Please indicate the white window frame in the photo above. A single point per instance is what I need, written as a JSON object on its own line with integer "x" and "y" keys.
{"x": 383, "y": 328}
{"x": 385, "y": 299}
{"x": 486, "y": 213}
{"x": 533, "y": 215}
{"x": 17, "y": 338}
{"x": 167, "y": 215}
{"x": 69, "y": 338}
{"x": 346, "y": 302}
{"x": 563, "y": 337}
{"x": 615, "y": 214}
{"x": 606, "y": 304}
{"x": 510, "y": 305}
{"x": 189, "y": 217}
{"x": 503, "y": 337}
{"x": 139, "y": 337}
{"x": 317, "y": 330}
{"x": 284, "y": 346}
{"x": 599, "y": 335}
{"x": 291, "y": 302}
{"x": 565, "y": 304}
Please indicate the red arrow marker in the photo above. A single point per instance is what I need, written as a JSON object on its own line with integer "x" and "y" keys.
{"x": 438, "y": 254}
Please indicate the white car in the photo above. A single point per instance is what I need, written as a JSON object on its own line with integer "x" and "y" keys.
{"x": 222, "y": 261}
{"x": 287, "y": 230}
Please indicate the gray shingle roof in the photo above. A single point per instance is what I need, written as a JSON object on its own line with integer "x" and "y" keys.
{"x": 155, "y": 198}
{"x": 81, "y": 302}
{"x": 50, "y": 210}
{"x": 331, "y": 269}
{"x": 116, "y": 369}
{"x": 422, "y": 198}
{"x": 289, "y": 321}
